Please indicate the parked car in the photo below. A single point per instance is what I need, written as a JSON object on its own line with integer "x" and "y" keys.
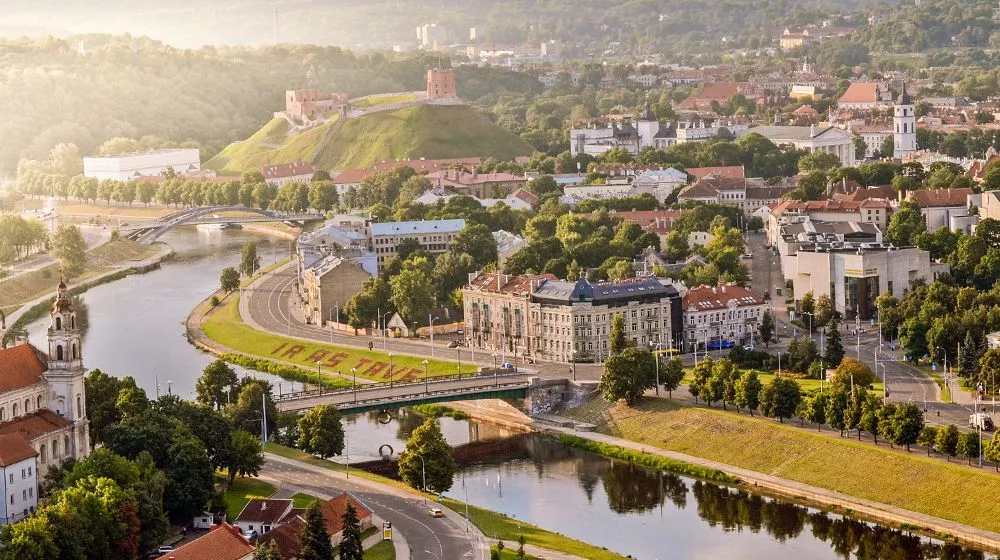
{"x": 454, "y": 344}
{"x": 460, "y": 331}
{"x": 164, "y": 549}
{"x": 747, "y": 255}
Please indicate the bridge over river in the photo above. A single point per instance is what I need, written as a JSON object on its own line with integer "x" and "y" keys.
{"x": 148, "y": 232}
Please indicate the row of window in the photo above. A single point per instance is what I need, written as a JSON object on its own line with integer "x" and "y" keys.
{"x": 55, "y": 450}
{"x": 423, "y": 239}
{"x": 25, "y": 494}
{"x": 25, "y": 473}
{"x": 16, "y": 411}
{"x": 700, "y": 318}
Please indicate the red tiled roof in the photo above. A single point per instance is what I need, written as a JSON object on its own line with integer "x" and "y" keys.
{"x": 848, "y": 206}
{"x": 286, "y": 536}
{"x": 805, "y": 110}
{"x": 714, "y": 91}
{"x": 526, "y": 196}
{"x": 282, "y": 170}
{"x": 333, "y": 511}
{"x": 704, "y": 298}
{"x": 21, "y": 366}
{"x": 351, "y": 176}
{"x": 462, "y": 178}
{"x": 223, "y": 542}
{"x": 940, "y": 198}
{"x": 860, "y": 92}
{"x": 506, "y": 284}
{"x": 267, "y": 512}
{"x": 35, "y": 424}
{"x": 13, "y": 448}
{"x": 419, "y": 165}
{"x": 729, "y": 171}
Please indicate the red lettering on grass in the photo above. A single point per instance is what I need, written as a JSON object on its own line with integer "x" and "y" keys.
{"x": 413, "y": 373}
{"x": 278, "y": 349}
{"x": 362, "y": 363}
{"x": 291, "y": 352}
{"x": 316, "y": 356}
{"x": 335, "y": 359}
{"x": 376, "y": 368}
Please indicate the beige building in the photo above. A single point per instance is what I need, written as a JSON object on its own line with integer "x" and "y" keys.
{"x": 497, "y": 310}
{"x": 330, "y": 282}
{"x": 868, "y": 211}
{"x": 434, "y": 236}
{"x": 717, "y": 315}
{"x": 813, "y": 139}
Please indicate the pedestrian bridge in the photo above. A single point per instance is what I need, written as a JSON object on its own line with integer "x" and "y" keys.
{"x": 148, "y": 232}
{"x": 366, "y": 398}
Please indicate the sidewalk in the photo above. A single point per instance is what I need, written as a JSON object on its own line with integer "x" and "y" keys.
{"x": 879, "y": 512}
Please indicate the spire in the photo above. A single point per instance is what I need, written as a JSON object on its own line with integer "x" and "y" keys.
{"x": 904, "y": 98}
{"x": 63, "y": 304}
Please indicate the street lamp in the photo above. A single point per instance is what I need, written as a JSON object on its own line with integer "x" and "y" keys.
{"x": 426, "y": 386}
{"x": 430, "y": 326}
{"x": 459, "y": 352}
{"x": 496, "y": 372}
{"x": 319, "y": 376}
{"x": 810, "y": 314}
{"x": 945, "y": 359}
{"x": 656, "y": 357}
{"x": 885, "y": 380}
{"x": 383, "y": 316}
{"x": 423, "y": 470}
{"x": 572, "y": 364}
{"x": 354, "y": 374}
{"x": 390, "y": 369}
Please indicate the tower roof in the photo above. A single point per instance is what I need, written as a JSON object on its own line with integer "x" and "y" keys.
{"x": 647, "y": 113}
{"x": 904, "y": 98}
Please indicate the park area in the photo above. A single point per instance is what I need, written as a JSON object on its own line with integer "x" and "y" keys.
{"x": 225, "y": 326}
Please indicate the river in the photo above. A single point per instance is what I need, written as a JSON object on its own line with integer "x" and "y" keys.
{"x": 136, "y": 328}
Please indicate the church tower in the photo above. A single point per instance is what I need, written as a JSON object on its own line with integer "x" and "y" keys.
{"x": 65, "y": 375}
{"x": 647, "y": 125}
{"x": 904, "y": 125}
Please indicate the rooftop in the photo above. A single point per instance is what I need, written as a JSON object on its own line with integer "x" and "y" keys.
{"x": 266, "y": 511}
{"x": 223, "y": 542}
{"x": 860, "y": 92}
{"x": 35, "y": 424}
{"x": 418, "y": 227}
{"x": 21, "y": 366}
{"x": 730, "y": 171}
{"x": 144, "y": 153}
{"x": 13, "y": 449}
{"x": 706, "y": 298}
{"x": 940, "y": 198}
{"x": 496, "y": 282}
{"x": 282, "y": 170}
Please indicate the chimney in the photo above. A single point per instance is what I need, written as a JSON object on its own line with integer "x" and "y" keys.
{"x": 723, "y": 288}
{"x": 263, "y": 506}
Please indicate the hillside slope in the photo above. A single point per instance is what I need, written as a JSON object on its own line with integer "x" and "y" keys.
{"x": 428, "y": 131}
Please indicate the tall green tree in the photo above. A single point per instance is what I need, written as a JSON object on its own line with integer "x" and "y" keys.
{"x": 780, "y": 398}
{"x": 413, "y": 295}
{"x": 748, "y": 388}
{"x": 438, "y": 462}
{"x": 229, "y": 280}
{"x": 702, "y": 374}
{"x": 870, "y": 415}
{"x": 947, "y": 441}
{"x": 314, "y": 537}
{"x": 476, "y": 240}
{"x": 671, "y": 375}
{"x": 255, "y": 396}
{"x": 767, "y": 327}
{"x": 321, "y": 432}
{"x": 627, "y": 375}
{"x": 927, "y": 437}
{"x": 216, "y": 385}
{"x": 268, "y": 552}
{"x": 249, "y": 261}
{"x": 968, "y": 446}
{"x": 905, "y": 224}
{"x": 350, "y": 543}
{"x": 617, "y": 339}
{"x": 815, "y": 410}
{"x": 832, "y": 344}
{"x": 247, "y": 456}
{"x": 888, "y": 418}
{"x": 907, "y": 423}
{"x": 70, "y": 250}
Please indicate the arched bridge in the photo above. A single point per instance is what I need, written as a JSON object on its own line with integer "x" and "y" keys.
{"x": 381, "y": 397}
{"x": 148, "y": 232}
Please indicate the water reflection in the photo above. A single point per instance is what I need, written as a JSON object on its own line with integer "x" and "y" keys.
{"x": 656, "y": 514}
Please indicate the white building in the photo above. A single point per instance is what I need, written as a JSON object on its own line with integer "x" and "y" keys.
{"x": 283, "y": 173}
{"x": 717, "y": 315}
{"x": 825, "y": 139}
{"x": 18, "y": 478}
{"x": 946, "y": 208}
{"x": 904, "y": 123}
{"x": 133, "y": 165}
{"x": 432, "y": 36}
{"x": 434, "y": 236}
{"x": 507, "y": 244}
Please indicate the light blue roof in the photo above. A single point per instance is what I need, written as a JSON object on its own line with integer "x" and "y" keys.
{"x": 418, "y": 228}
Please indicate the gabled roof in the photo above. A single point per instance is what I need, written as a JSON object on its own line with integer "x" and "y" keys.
{"x": 418, "y": 227}
{"x": 706, "y": 298}
{"x": 36, "y": 424}
{"x": 13, "y": 449}
{"x": 940, "y": 198}
{"x": 223, "y": 542}
{"x": 351, "y": 176}
{"x": 860, "y": 92}
{"x": 729, "y": 171}
{"x": 333, "y": 511}
{"x": 286, "y": 536}
{"x": 21, "y": 366}
{"x": 266, "y": 511}
{"x": 701, "y": 189}
{"x": 282, "y": 170}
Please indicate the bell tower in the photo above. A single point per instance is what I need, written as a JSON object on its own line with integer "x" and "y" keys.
{"x": 904, "y": 123}
{"x": 65, "y": 375}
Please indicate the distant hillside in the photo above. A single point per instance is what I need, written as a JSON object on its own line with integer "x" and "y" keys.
{"x": 428, "y": 131}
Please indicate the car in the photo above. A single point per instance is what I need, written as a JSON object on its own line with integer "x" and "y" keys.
{"x": 435, "y": 512}
{"x": 250, "y": 535}
{"x": 460, "y": 331}
{"x": 747, "y": 255}
{"x": 164, "y": 549}
{"x": 454, "y": 344}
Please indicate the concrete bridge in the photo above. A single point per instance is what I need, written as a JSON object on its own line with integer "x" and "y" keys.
{"x": 148, "y": 232}
{"x": 383, "y": 397}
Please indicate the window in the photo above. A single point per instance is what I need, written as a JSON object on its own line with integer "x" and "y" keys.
{"x": 79, "y": 407}
{"x": 27, "y": 405}
{"x": 42, "y": 454}
{"x": 29, "y": 471}
{"x": 13, "y": 411}
{"x": 24, "y": 494}
{"x": 58, "y": 323}
{"x": 24, "y": 474}
{"x": 11, "y": 499}
{"x": 12, "y": 478}
{"x": 38, "y": 405}
{"x": 59, "y": 356}
{"x": 76, "y": 352}
{"x": 31, "y": 492}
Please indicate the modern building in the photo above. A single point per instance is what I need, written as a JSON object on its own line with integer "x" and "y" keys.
{"x": 283, "y": 173}
{"x": 123, "y": 167}
{"x": 803, "y": 230}
{"x": 853, "y": 275}
{"x": 434, "y": 236}
{"x": 441, "y": 84}
{"x": 432, "y": 36}
{"x": 42, "y": 402}
{"x": 721, "y": 316}
{"x": 18, "y": 478}
{"x": 873, "y": 211}
{"x": 825, "y": 139}
{"x": 945, "y": 208}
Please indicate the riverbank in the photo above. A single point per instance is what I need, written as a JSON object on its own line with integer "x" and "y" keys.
{"x": 893, "y": 487}
{"x": 37, "y": 307}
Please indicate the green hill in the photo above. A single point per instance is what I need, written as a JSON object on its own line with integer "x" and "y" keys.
{"x": 428, "y": 131}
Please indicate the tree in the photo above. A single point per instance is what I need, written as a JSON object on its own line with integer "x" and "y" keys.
{"x": 350, "y": 543}
{"x": 905, "y": 224}
{"x": 323, "y": 195}
{"x": 248, "y": 410}
{"x": 968, "y": 446}
{"x": 617, "y": 339}
{"x": 832, "y": 344}
{"x": 321, "y": 432}
{"x": 438, "y": 462}
{"x": 815, "y": 410}
{"x": 836, "y": 404}
{"x": 907, "y": 423}
{"x": 855, "y": 404}
{"x": 823, "y": 310}
{"x": 314, "y": 537}
{"x": 31, "y": 539}
{"x": 70, "y": 250}
{"x": 627, "y": 375}
{"x": 888, "y": 417}
{"x": 190, "y": 476}
{"x": 991, "y": 452}
{"x": 780, "y": 398}
{"x": 102, "y": 395}
{"x": 249, "y": 262}
{"x": 216, "y": 384}
{"x": 807, "y": 303}
{"x": 869, "y": 415}
{"x": 702, "y": 375}
{"x": 748, "y": 388}
{"x": 927, "y": 438}
{"x": 852, "y": 373}
{"x": 413, "y": 295}
{"x": 767, "y": 327}
{"x": 801, "y": 354}
{"x": 671, "y": 375}
{"x": 229, "y": 280}
{"x": 476, "y": 240}
{"x": 946, "y": 442}
{"x": 818, "y": 161}
{"x": 247, "y": 455}
{"x": 269, "y": 552}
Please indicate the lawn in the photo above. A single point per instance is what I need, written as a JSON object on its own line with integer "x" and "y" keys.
{"x": 807, "y": 385}
{"x": 382, "y": 551}
{"x": 386, "y": 99}
{"x": 227, "y": 328}
{"x": 908, "y": 480}
{"x": 301, "y": 500}
{"x": 242, "y": 490}
{"x": 490, "y": 523}
{"x": 19, "y": 290}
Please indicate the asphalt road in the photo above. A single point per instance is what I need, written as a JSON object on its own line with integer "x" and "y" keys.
{"x": 429, "y": 538}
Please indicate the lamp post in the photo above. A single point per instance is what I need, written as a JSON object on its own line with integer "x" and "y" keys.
{"x": 656, "y": 356}
{"x": 945, "y": 359}
{"x": 426, "y": 386}
{"x": 459, "y": 352}
{"x": 319, "y": 376}
{"x": 496, "y": 373}
{"x": 337, "y": 307}
{"x": 430, "y": 326}
{"x": 383, "y": 316}
{"x": 354, "y": 374}
{"x": 423, "y": 470}
{"x": 810, "y": 314}
{"x": 390, "y": 369}
{"x": 885, "y": 381}
{"x": 572, "y": 365}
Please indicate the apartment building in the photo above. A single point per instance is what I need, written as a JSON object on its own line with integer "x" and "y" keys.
{"x": 717, "y": 315}
{"x": 434, "y": 236}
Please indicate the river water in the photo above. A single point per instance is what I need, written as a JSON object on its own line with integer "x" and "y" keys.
{"x": 136, "y": 328}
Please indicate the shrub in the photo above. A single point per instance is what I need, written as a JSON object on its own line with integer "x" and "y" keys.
{"x": 647, "y": 460}
{"x": 214, "y": 300}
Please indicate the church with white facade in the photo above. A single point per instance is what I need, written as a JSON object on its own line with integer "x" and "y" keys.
{"x": 43, "y": 417}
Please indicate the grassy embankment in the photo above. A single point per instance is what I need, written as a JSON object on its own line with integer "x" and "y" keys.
{"x": 895, "y": 477}
{"x": 420, "y": 131}
{"x": 382, "y": 99}
{"x": 382, "y": 551}
{"x": 227, "y": 328}
{"x": 492, "y": 524}
{"x": 19, "y": 290}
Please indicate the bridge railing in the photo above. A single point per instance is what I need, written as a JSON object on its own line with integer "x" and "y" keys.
{"x": 448, "y": 392}
{"x": 499, "y": 380}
